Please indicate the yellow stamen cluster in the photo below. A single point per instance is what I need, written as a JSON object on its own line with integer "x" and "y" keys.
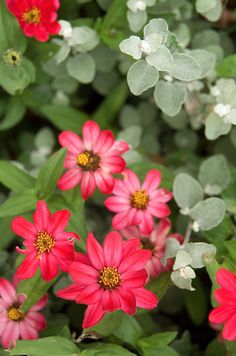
{"x": 44, "y": 242}
{"x": 139, "y": 199}
{"x": 109, "y": 278}
{"x": 88, "y": 161}
{"x": 12, "y": 57}
{"x": 15, "y": 314}
{"x": 32, "y": 16}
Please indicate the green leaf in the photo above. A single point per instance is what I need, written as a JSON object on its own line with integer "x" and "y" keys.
{"x": 82, "y": 68}
{"x": 11, "y": 35}
{"x": 185, "y": 67}
{"x": 128, "y": 330}
{"x": 114, "y": 26}
{"x": 198, "y": 297}
{"x": 19, "y": 203}
{"x": 160, "y": 285}
{"x": 215, "y": 127}
{"x": 141, "y": 76}
{"x": 6, "y": 233}
{"x": 105, "y": 350}
{"x": 205, "y": 5}
{"x": 214, "y": 174}
{"x": 197, "y": 251}
{"x": 215, "y": 13}
{"x": 227, "y": 67}
{"x": 15, "y": 178}
{"x": 15, "y": 78}
{"x": 50, "y": 173}
{"x": 157, "y": 344}
{"x": 110, "y": 106}
{"x": 48, "y": 346}
{"x": 64, "y": 118}
{"x": 169, "y": 97}
{"x": 187, "y": 191}
{"x": 15, "y": 112}
{"x": 34, "y": 289}
{"x": 208, "y": 213}
{"x": 221, "y": 232}
{"x": 231, "y": 247}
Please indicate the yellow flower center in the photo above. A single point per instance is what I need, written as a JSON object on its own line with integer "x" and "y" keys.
{"x": 14, "y": 313}
{"x": 12, "y": 57}
{"x": 109, "y": 278}
{"x": 139, "y": 199}
{"x": 88, "y": 161}
{"x": 32, "y": 16}
{"x": 44, "y": 242}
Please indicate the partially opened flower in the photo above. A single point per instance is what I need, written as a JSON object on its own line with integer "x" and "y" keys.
{"x": 48, "y": 246}
{"x": 92, "y": 159}
{"x": 38, "y": 18}
{"x": 14, "y": 324}
{"x": 156, "y": 243}
{"x": 226, "y": 312}
{"x": 109, "y": 278}
{"x": 137, "y": 204}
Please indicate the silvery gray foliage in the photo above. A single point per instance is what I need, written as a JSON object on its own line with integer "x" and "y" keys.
{"x": 189, "y": 194}
{"x": 211, "y": 9}
{"x": 188, "y": 256}
{"x": 137, "y": 13}
{"x": 166, "y": 66}
{"x": 76, "y": 42}
{"x": 223, "y": 115}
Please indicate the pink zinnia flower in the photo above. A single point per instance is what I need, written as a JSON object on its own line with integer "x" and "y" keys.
{"x": 110, "y": 278}
{"x": 156, "y": 243}
{"x": 91, "y": 160}
{"x": 136, "y": 204}
{"x": 14, "y": 324}
{"x": 226, "y": 297}
{"x": 48, "y": 246}
{"x": 37, "y": 18}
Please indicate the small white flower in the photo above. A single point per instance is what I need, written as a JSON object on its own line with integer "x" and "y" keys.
{"x": 187, "y": 272}
{"x": 145, "y": 47}
{"x": 141, "y": 5}
{"x": 196, "y": 226}
{"x": 222, "y": 109}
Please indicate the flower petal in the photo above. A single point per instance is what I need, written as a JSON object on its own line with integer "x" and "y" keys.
{"x": 70, "y": 292}
{"x": 28, "y": 267}
{"x": 146, "y": 225}
{"x": 70, "y": 179}
{"x": 117, "y": 204}
{"x": 136, "y": 261}
{"x": 41, "y": 216}
{"x": 36, "y": 320}
{"x": 83, "y": 273}
{"x": 90, "y": 294}
{"x": 58, "y": 221}
{"x": 221, "y": 314}
{"x": 131, "y": 180}
{"x": 91, "y": 132}
{"x": 226, "y": 279}
{"x": 10, "y": 334}
{"x": 23, "y": 228}
{"x": 133, "y": 280}
{"x": 128, "y": 301}
{"x": 95, "y": 252}
{"x": 229, "y": 330}
{"x": 110, "y": 300}
{"x": 7, "y": 291}
{"x": 112, "y": 247}
{"x": 93, "y": 315}
{"x": 104, "y": 181}
{"x": 48, "y": 266}
{"x": 152, "y": 181}
{"x": 104, "y": 142}
{"x": 88, "y": 185}
{"x": 71, "y": 141}
{"x": 129, "y": 247}
{"x": 119, "y": 221}
{"x": 145, "y": 298}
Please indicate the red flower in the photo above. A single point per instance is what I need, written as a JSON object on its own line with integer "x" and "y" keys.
{"x": 14, "y": 324}
{"x": 48, "y": 246}
{"x": 136, "y": 204}
{"x": 226, "y": 297}
{"x": 91, "y": 160}
{"x": 36, "y": 17}
{"x": 110, "y": 278}
{"x": 156, "y": 243}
